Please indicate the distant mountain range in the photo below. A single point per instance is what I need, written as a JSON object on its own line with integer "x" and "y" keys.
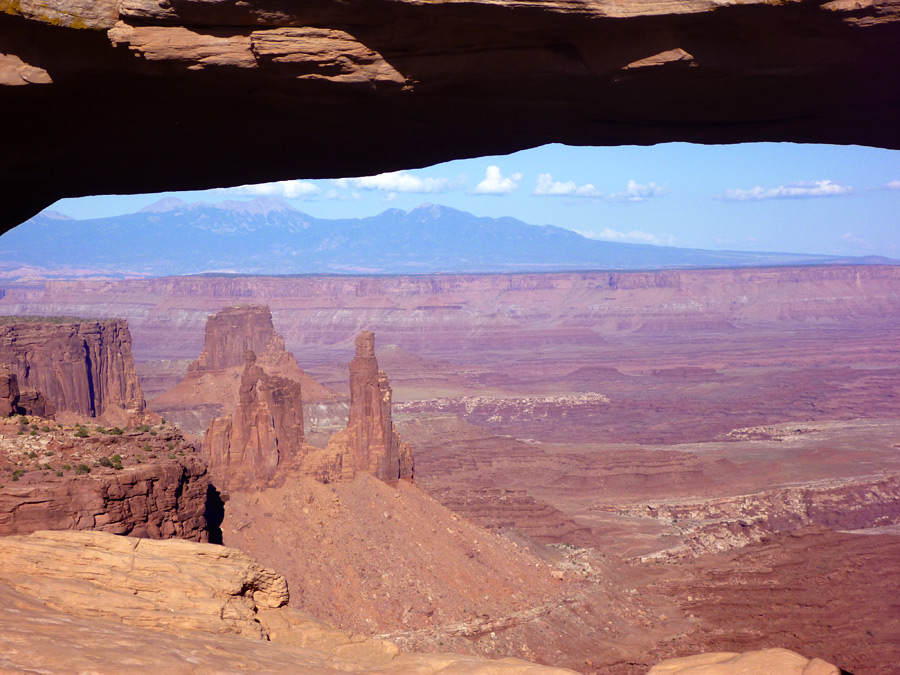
{"x": 267, "y": 236}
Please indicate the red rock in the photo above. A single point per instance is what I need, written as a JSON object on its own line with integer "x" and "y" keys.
{"x": 210, "y": 386}
{"x": 158, "y": 500}
{"x": 370, "y": 442}
{"x": 84, "y": 369}
{"x": 264, "y": 434}
{"x": 9, "y": 392}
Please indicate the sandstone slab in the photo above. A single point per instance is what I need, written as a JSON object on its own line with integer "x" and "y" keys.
{"x": 763, "y": 662}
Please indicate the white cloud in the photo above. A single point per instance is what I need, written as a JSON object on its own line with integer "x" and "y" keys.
{"x": 636, "y": 192}
{"x": 548, "y": 187}
{"x": 287, "y": 189}
{"x": 632, "y": 237}
{"x": 892, "y": 185}
{"x": 798, "y": 190}
{"x": 398, "y": 181}
{"x": 851, "y": 238}
{"x": 495, "y": 183}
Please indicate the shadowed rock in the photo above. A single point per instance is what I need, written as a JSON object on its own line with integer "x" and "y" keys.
{"x": 376, "y": 78}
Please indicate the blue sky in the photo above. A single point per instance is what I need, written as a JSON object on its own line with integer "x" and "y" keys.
{"x": 756, "y": 197}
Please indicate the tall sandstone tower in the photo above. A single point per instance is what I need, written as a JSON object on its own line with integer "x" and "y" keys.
{"x": 377, "y": 448}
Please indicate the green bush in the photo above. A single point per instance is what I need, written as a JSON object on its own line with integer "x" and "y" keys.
{"x": 82, "y": 469}
{"x": 45, "y": 429}
{"x": 32, "y": 454}
{"x": 81, "y": 433}
{"x": 59, "y": 473}
{"x": 67, "y": 467}
{"x": 115, "y": 431}
{"x": 143, "y": 427}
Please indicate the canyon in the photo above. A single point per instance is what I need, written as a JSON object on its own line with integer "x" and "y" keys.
{"x": 610, "y": 469}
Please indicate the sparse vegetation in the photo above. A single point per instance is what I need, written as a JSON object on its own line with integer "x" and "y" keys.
{"x": 115, "y": 431}
{"x": 82, "y": 469}
{"x": 81, "y": 432}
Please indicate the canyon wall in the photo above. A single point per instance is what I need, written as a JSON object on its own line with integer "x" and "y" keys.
{"x": 83, "y": 368}
{"x": 375, "y": 79}
{"x": 492, "y": 311}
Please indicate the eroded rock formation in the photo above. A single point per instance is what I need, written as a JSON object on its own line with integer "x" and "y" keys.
{"x": 370, "y": 444}
{"x": 264, "y": 434}
{"x": 85, "y": 369}
{"x": 376, "y": 78}
{"x": 263, "y": 438}
{"x": 211, "y": 386}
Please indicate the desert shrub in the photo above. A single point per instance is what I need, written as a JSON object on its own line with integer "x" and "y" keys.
{"x": 117, "y": 462}
{"x": 143, "y": 427}
{"x": 45, "y": 429}
{"x": 49, "y": 453}
{"x": 171, "y": 455}
{"x": 170, "y": 446}
{"x": 147, "y": 448}
{"x": 100, "y": 430}
{"x": 23, "y": 420}
{"x": 82, "y": 469}
{"x": 59, "y": 473}
{"x": 34, "y": 433}
{"x": 81, "y": 432}
{"x": 152, "y": 433}
{"x": 105, "y": 461}
{"x": 67, "y": 467}
{"x": 115, "y": 431}
{"x": 32, "y": 454}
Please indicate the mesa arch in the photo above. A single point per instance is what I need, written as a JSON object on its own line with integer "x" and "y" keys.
{"x": 105, "y": 96}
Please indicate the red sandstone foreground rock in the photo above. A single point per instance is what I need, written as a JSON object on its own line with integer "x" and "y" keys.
{"x": 85, "y": 602}
{"x": 370, "y": 439}
{"x": 764, "y": 662}
{"x": 193, "y": 84}
{"x": 85, "y": 369}
{"x": 139, "y": 483}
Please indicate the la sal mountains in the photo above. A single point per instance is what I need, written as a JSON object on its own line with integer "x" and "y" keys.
{"x": 267, "y": 236}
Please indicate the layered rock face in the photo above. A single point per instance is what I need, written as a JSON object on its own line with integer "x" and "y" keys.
{"x": 376, "y": 78}
{"x": 265, "y": 432}
{"x": 370, "y": 441}
{"x": 159, "y": 500}
{"x": 85, "y": 369}
{"x": 233, "y": 332}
